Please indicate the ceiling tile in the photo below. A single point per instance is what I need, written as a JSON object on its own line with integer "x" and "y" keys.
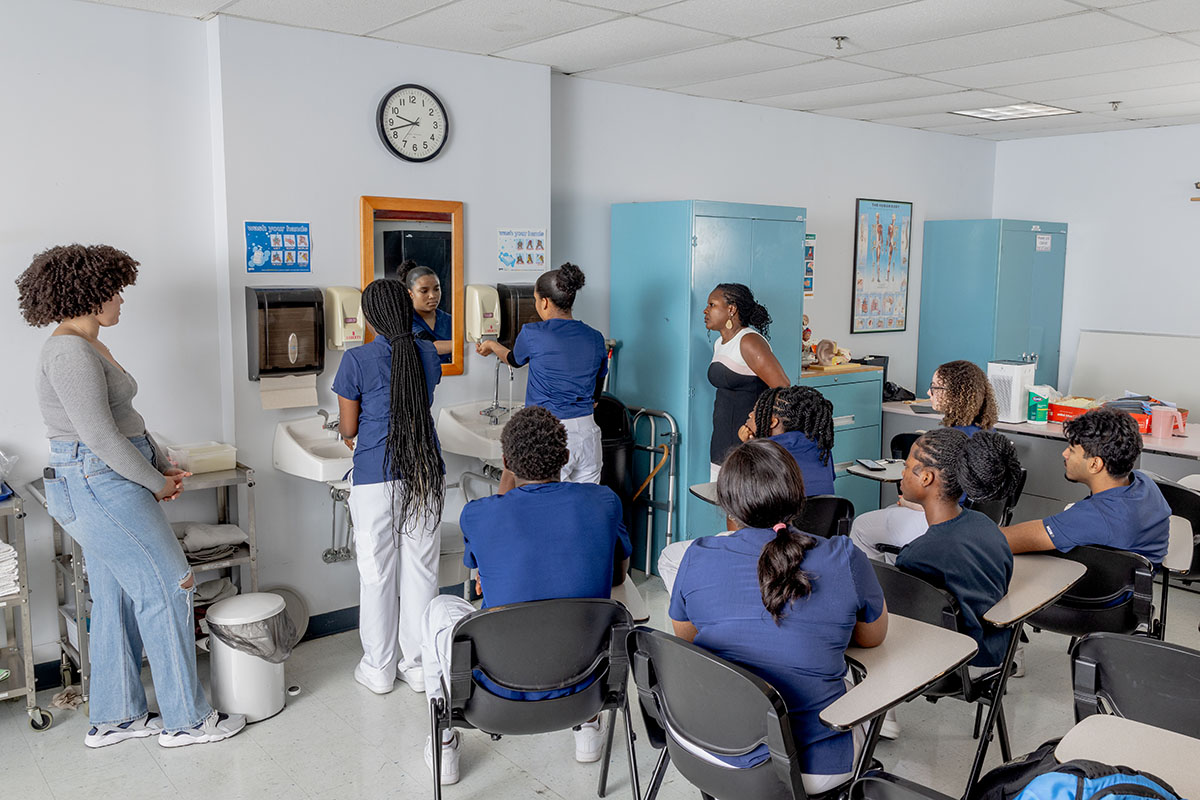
{"x": 1134, "y": 100}
{"x": 923, "y": 21}
{"x": 610, "y": 43}
{"x": 184, "y": 8}
{"x": 922, "y": 120}
{"x": 488, "y": 26}
{"x": 624, "y": 6}
{"x": 806, "y": 77}
{"x": 1194, "y": 38}
{"x": 760, "y": 16}
{"x": 953, "y": 101}
{"x": 725, "y": 60}
{"x": 1106, "y": 127}
{"x": 1087, "y": 29}
{"x": 1112, "y": 83}
{"x": 1034, "y": 124}
{"x": 1127, "y": 55}
{"x": 1186, "y": 119}
{"x": 857, "y": 94}
{"x": 358, "y": 17}
{"x": 1168, "y": 16}
{"x": 1165, "y": 110}
{"x": 1107, "y": 3}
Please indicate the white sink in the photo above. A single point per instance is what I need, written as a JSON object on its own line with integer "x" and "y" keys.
{"x": 463, "y": 430}
{"x": 304, "y": 448}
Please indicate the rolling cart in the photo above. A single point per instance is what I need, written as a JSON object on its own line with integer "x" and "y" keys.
{"x": 17, "y": 654}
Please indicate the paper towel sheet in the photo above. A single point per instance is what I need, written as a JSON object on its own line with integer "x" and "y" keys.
{"x": 290, "y": 391}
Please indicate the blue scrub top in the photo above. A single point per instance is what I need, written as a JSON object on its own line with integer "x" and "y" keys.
{"x": 1133, "y": 518}
{"x": 802, "y": 657}
{"x": 566, "y": 358}
{"x": 818, "y": 477}
{"x": 365, "y": 375}
{"x": 442, "y": 330}
{"x": 970, "y": 558}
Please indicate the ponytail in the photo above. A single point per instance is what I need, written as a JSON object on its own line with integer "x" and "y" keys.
{"x": 780, "y": 578}
{"x": 751, "y": 313}
{"x": 984, "y": 466}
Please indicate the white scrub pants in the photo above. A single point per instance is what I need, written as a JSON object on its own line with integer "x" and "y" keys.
{"x": 391, "y": 564}
{"x": 894, "y": 525}
{"x": 586, "y": 455}
{"x": 671, "y": 557}
{"x": 437, "y": 638}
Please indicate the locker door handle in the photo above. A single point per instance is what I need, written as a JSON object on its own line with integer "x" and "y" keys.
{"x": 843, "y": 421}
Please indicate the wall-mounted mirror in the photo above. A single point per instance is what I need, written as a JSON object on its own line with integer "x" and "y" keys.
{"x": 430, "y": 233}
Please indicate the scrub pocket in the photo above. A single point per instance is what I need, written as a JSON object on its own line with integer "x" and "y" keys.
{"x": 58, "y": 501}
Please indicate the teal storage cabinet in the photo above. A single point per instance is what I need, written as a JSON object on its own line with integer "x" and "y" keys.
{"x": 857, "y": 399}
{"x": 666, "y": 258}
{"x": 991, "y": 289}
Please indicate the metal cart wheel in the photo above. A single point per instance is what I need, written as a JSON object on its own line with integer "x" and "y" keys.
{"x": 40, "y": 720}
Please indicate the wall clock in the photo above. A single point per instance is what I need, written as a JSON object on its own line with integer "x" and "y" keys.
{"x": 412, "y": 122}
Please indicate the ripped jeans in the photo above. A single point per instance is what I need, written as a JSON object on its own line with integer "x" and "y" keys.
{"x": 136, "y": 574}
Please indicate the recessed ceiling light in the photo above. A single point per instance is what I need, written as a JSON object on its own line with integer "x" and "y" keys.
{"x": 1018, "y": 111}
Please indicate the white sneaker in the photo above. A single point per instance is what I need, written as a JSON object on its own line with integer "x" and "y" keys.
{"x": 1019, "y": 662}
{"x": 360, "y": 675}
{"x": 450, "y": 753}
{"x": 215, "y": 727}
{"x": 589, "y": 740}
{"x": 149, "y": 724}
{"x": 414, "y": 677}
{"x": 890, "y": 729}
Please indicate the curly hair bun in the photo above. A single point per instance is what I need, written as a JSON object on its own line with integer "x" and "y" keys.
{"x": 570, "y": 278}
{"x": 989, "y": 467}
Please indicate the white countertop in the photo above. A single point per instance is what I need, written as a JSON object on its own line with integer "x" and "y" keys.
{"x": 1116, "y": 740}
{"x": 1178, "y": 446}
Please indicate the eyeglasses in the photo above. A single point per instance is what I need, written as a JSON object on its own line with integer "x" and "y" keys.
{"x": 933, "y": 388}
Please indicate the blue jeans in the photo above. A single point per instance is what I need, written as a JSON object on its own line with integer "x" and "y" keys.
{"x": 135, "y": 566}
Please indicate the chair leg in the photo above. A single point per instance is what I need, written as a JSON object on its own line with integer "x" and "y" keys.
{"x": 435, "y": 743}
{"x": 1162, "y": 614}
{"x": 606, "y": 756}
{"x": 629, "y": 737}
{"x": 978, "y": 720}
{"x": 656, "y": 778}
{"x": 995, "y": 701}
{"x": 1002, "y": 729}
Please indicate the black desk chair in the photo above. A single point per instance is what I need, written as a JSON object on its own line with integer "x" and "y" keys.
{"x": 1114, "y": 596}
{"x": 1137, "y": 678}
{"x": 901, "y": 443}
{"x": 531, "y": 647}
{"x": 719, "y": 707}
{"x": 826, "y": 515}
{"x": 1185, "y": 503}
{"x": 1000, "y": 510}
{"x": 884, "y": 786}
{"x": 916, "y": 598}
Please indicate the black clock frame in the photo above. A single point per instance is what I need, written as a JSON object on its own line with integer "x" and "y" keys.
{"x": 382, "y": 130}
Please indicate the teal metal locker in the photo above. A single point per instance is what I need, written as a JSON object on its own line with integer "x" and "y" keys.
{"x": 666, "y": 258}
{"x": 991, "y": 289}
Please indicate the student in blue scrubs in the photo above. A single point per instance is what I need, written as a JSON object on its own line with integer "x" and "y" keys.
{"x": 540, "y": 540}
{"x": 1124, "y": 509}
{"x": 783, "y": 604}
{"x": 961, "y": 392}
{"x": 800, "y": 420}
{"x": 567, "y": 362}
{"x": 430, "y": 322}
{"x": 385, "y": 390}
{"x": 963, "y": 551}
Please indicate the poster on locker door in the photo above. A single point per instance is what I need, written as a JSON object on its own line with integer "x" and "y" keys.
{"x": 810, "y": 248}
{"x": 277, "y": 247}
{"x": 882, "y": 239}
{"x": 523, "y": 248}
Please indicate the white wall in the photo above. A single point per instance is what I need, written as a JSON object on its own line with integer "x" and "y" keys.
{"x": 621, "y": 144}
{"x": 104, "y": 114}
{"x": 1132, "y": 262}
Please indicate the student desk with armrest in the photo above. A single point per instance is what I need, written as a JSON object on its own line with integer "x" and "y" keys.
{"x": 1116, "y": 740}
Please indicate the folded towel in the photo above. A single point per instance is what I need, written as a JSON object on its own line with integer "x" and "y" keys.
{"x": 201, "y": 536}
{"x": 213, "y": 591}
{"x": 210, "y": 554}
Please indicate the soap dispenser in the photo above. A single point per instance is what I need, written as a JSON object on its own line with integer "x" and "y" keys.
{"x": 482, "y": 311}
{"x": 343, "y": 317}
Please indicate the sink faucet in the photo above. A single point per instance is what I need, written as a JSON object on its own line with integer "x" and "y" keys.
{"x": 329, "y": 424}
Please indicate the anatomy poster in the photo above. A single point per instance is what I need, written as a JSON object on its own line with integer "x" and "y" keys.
{"x": 883, "y": 236}
{"x": 810, "y": 249}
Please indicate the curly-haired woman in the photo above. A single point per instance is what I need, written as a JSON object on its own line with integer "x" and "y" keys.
{"x": 108, "y": 478}
{"x": 961, "y": 392}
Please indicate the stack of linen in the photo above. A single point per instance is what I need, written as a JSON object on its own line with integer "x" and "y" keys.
{"x": 8, "y": 570}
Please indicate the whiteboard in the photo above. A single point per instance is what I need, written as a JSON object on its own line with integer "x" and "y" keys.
{"x": 1163, "y": 365}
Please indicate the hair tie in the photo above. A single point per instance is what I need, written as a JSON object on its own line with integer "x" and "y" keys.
{"x": 399, "y": 336}
{"x": 778, "y": 526}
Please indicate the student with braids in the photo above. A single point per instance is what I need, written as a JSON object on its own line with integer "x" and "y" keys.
{"x": 962, "y": 551}
{"x": 961, "y": 392}
{"x": 567, "y": 362}
{"x": 385, "y": 389}
{"x": 781, "y": 603}
{"x": 430, "y": 322}
{"x": 743, "y": 365}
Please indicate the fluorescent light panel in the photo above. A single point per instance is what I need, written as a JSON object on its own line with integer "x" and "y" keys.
{"x": 1017, "y": 111}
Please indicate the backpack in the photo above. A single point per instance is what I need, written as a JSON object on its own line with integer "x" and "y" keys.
{"x": 1038, "y": 776}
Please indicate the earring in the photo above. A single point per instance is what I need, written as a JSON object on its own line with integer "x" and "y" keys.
{"x": 729, "y": 324}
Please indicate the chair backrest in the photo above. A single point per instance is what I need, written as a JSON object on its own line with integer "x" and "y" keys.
{"x": 540, "y": 646}
{"x": 826, "y": 515}
{"x": 1137, "y": 677}
{"x": 1114, "y": 595}
{"x": 1184, "y": 502}
{"x": 901, "y": 443}
{"x": 916, "y": 598}
{"x": 719, "y": 707}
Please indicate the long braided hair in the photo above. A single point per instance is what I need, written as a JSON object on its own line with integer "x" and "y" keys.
{"x": 411, "y": 456}
{"x": 984, "y": 466}
{"x": 799, "y": 408}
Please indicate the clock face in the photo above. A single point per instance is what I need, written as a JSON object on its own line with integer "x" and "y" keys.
{"x": 412, "y": 122}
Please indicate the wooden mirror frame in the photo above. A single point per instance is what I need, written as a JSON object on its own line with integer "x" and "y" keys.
{"x": 400, "y": 208}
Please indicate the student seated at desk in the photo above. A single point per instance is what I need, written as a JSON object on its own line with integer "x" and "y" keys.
{"x": 961, "y": 392}
{"x": 1124, "y": 509}
{"x": 540, "y": 540}
{"x": 783, "y": 604}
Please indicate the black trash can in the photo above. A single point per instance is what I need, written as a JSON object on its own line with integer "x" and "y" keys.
{"x": 616, "y": 442}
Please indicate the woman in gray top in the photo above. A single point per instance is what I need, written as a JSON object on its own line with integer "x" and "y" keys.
{"x": 108, "y": 477}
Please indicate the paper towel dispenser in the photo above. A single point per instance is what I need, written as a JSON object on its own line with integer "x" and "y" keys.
{"x": 516, "y": 308}
{"x": 285, "y": 331}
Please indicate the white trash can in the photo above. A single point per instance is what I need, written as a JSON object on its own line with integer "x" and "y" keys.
{"x": 243, "y": 683}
